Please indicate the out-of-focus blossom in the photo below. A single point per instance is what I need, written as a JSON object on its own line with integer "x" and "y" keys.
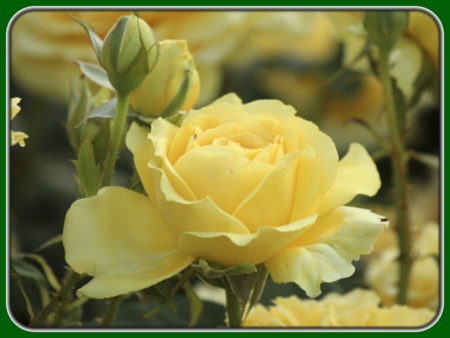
{"x": 354, "y": 309}
{"x": 382, "y": 270}
{"x": 44, "y": 44}
{"x": 16, "y": 136}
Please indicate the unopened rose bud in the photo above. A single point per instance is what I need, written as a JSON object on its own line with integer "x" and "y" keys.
{"x": 129, "y": 52}
{"x": 172, "y": 86}
{"x": 385, "y": 27}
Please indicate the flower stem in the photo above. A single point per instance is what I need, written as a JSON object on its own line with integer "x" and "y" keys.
{"x": 111, "y": 310}
{"x": 116, "y": 138}
{"x": 400, "y": 177}
{"x": 58, "y": 297}
{"x": 234, "y": 309}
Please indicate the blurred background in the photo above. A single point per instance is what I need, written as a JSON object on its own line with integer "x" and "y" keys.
{"x": 321, "y": 63}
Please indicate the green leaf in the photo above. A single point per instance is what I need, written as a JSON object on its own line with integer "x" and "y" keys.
{"x": 100, "y": 142}
{"x": 55, "y": 240}
{"x": 242, "y": 285}
{"x": 196, "y": 304}
{"x": 27, "y": 300}
{"x": 97, "y": 43}
{"x": 47, "y": 269}
{"x": 162, "y": 293}
{"x": 95, "y": 73}
{"x": 87, "y": 169}
{"x": 424, "y": 80}
{"x": 27, "y": 270}
{"x": 217, "y": 271}
{"x": 77, "y": 112}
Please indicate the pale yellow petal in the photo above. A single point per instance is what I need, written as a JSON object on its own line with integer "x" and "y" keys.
{"x": 233, "y": 249}
{"x": 221, "y": 173}
{"x": 284, "y": 194}
{"x": 230, "y": 98}
{"x": 325, "y": 251}
{"x": 119, "y": 238}
{"x": 142, "y": 148}
{"x": 15, "y": 108}
{"x": 356, "y": 174}
{"x": 401, "y": 316}
{"x": 182, "y": 215}
{"x": 18, "y": 137}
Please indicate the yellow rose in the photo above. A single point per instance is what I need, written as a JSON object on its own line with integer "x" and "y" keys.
{"x": 236, "y": 183}
{"x": 423, "y": 290}
{"x": 16, "y": 136}
{"x": 354, "y": 309}
{"x": 174, "y": 72}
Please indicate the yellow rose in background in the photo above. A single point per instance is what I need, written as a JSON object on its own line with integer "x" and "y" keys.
{"x": 354, "y": 309}
{"x": 235, "y": 183}
{"x": 45, "y": 44}
{"x": 423, "y": 290}
{"x": 175, "y": 73}
{"x": 16, "y": 136}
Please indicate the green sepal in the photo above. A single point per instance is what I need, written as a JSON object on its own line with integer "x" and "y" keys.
{"x": 242, "y": 285}
{"x": 96, "y": 41}
{"x": 195, "y": 303}
{"x": 162, "y": 293}
{"x": 95, "y": 73}
{"x": 178, "y": 100}
{"x": 87, "y": 169}
{"x": 211, "y": 270}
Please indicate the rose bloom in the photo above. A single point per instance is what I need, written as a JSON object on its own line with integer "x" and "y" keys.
{"x": 423, "y": 290}
{"x": 16, "y": 136}
{"x": 235, "y": 183}
{"x": 354, "y": 309}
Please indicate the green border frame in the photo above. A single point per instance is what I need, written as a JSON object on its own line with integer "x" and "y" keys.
{"x": 11, "y": 8}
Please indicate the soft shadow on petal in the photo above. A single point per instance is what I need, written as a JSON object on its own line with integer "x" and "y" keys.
{"x": 119, "y": 238}
{"x": 325, "y": 251}
{"x": 288, "y": 189}
{"x": 181, "y": 215}
{"x": 142, "y": 148}
{"x": 356, "y": 174}
{"x": 234, "y": 249}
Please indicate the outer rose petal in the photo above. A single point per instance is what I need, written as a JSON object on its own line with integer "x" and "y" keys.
{"x": 233, "y": 249}
{"x": 119, "y": 238}
{"x": 324, "y": 253}
{"x": 357, "y": 174}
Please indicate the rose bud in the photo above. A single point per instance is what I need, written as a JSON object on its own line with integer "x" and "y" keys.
{"x": 173, "y": 85}
{"x": 129, "y": 53}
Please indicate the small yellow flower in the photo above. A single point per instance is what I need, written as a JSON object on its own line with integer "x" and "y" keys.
{"x": 16, "y": 136}
{"x": 235, "y": 183}
{"x": 423, "y": 291}
{"x": 354, "y": 309}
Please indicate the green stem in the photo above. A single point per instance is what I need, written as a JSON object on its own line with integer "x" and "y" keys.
{"x": 116, "y": 138}
{"x": 58, "y": 297}
{"x": 111, "y": 311}
{"x": 400, "y": 180}
{"x": 234, "y": 309}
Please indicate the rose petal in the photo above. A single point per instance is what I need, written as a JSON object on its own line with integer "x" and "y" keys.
{"x": 232, "y": 249}
{"x": 284, "y": 194}
{"x": 356, "y": 174}
{"x": 221, "y": 173}
{"x": 324, "y": 253}
{"x": 119, "y": 238}
{"x": 182, "y": 215}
